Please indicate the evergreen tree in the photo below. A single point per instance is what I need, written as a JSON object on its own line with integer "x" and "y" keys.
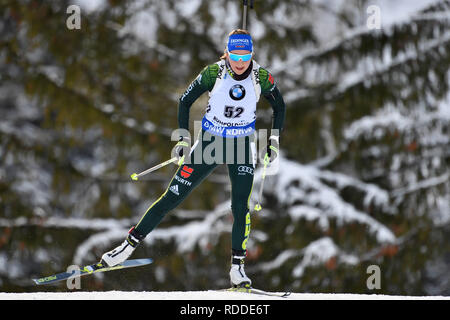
{"x": 365, "y": 173}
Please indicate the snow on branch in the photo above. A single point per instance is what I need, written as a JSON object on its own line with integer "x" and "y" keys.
{"x": 279, "y": 261}
{"x": 301, "y": 188}
{"x": 319, "y": 252}
{"x": 364, "y": 71}
{"x": 388, "y": 64}
{"x": 373, "y": 194}
{"x": 63, "y": 222}
{"x": 424, "y": 184}
{"x": 339, "y": 61}
{"x": 316, "y": 253}
{"x": 391, "y": 118}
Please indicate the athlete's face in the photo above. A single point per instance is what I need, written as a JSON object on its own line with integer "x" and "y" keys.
{"x": 240, "y": 66}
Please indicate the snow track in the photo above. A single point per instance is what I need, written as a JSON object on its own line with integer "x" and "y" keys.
{"x": 199, "y": 295}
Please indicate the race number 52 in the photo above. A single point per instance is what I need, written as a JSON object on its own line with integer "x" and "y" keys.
{"x": 233, "y": 112}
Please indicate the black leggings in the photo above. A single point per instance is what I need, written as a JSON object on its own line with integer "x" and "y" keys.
{"x": 238, "y": 154}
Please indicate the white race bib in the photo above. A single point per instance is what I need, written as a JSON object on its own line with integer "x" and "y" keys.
{"x": 231, "y": 110}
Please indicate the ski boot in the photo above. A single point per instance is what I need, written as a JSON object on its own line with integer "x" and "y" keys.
{"x": 122, "y": 252}
{"x": 238, "y": 277}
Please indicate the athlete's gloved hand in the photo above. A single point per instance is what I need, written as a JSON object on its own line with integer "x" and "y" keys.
{"x": 273, "y": 148}
{"x": 182, "y": 149}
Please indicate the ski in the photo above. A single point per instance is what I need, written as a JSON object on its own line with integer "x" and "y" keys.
{"x": 91, "y": 269}
{"x": 258, "y": 291}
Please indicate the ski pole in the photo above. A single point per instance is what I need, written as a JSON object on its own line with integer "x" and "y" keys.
{"x": 135, "y": 176}
{"x": 266, "y": 163}
{"x": 244, "y": 15}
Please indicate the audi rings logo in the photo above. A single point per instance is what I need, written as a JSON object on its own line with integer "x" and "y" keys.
{"x": 237, "y": 92}
{"x": 245, "y": 169}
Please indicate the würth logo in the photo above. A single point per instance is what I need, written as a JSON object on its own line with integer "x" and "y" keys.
{"x": 186, "y": 171}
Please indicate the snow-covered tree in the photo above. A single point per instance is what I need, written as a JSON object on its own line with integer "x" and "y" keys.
{"x": 364, "y": 175}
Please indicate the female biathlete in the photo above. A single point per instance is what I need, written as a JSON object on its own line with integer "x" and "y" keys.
{"x": 235, "y": 84}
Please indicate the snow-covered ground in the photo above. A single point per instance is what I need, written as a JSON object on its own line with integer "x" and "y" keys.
{"x": 199, "y": 295}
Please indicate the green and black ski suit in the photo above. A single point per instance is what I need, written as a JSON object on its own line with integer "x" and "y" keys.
{"x": 228, "y": 126}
